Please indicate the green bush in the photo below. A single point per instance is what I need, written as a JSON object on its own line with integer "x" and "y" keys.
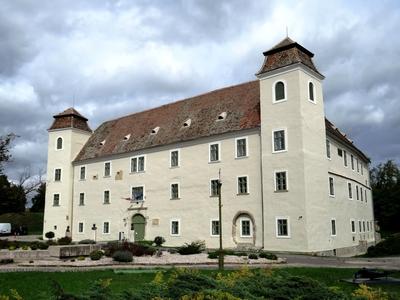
{"x": 6, "y": 261}
{"x": 123, "y": 256}
{"x": 96, "y": 255}
{"x": 34, "y": 246}
{"x": 12, "y": 248}
{"x": 87, "y": 242}
{"x": 192, "y": 248}
{"x": 49, "y": 235}
{"x": 42, "y": 246}
{"x": 81, "y": 258}
{"x": 268, "y": 255}
{"x": 389, "y": 246}
{"x": 213, "y": 255}
{"x": 159, "y": 240}
{"x": 253, "y": 256}
{"x": 25, "y": 247}
{"x": 144, "y": 243}
{"x": 66, "y": 240}
{"x": 135, "y": 248}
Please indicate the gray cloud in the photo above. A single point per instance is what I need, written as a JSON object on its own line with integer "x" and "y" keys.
{"x": 118, "y": 57}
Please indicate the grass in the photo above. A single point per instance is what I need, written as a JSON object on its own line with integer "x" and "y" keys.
{"x": 33, "y": 220}
{"x": 37, "y": 285}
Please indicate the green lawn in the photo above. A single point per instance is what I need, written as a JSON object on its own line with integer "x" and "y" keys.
{"x": 37, "y": 285}
{"x": 33, "y": 220}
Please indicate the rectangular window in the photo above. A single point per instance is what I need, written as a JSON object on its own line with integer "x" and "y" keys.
{"x": 362, "y": 169}
{"x": 280, "y": 181}
{"x": 174, "y": 191}
{"x": 365, "y": 195}
{"x": 279, "y": 140}
{"x": 241, "y": 147}
{"x": 174, "y": 158}
{"x": 214, "y": 189}
{"x": 357, "y": 193}
{"x": 56, "y": 200}
{"x": 215, "y": 228}
{"x": 214, "y": 152}
{"x": 333, "y": 227}
{"x": 106, "y": 227}
{"x": 331, "y": 187}
{"x": 137, "y": 164}
{"x": 328, "y": 149}
{"x": 361, "y": 194}
{"x": 82, "y": 175}
{"x": 80, "y": 227}
{"x": 352, "y": 161}
{"x": 81, "y": 199}
{"x": 242, "y": 185}
{"x": 175, "y": 230}
{"x": 340, "y": 152}
{"x": 138, "y": 193}
{"x": 106, "y": 197}
{"x": 245, "y": 228}
{"x": 350, "y": 190}
{"x": 367, "y": 226}
{"x": 359, "y": 226}
{"x": 353, "y": 226}
{"x": 282, "y": 227}
{"x": 57, "y": 175}
{"x": 363, "y": 226}
{"x": 345, "y": 158}
{"x": 358, "y": 166}
{"x": 107, "y": 169}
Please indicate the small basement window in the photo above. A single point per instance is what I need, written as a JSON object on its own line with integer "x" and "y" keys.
{"x": 187, "y": 123}
{"x": 222, "y": 116}
{"x": 155, "y": 130}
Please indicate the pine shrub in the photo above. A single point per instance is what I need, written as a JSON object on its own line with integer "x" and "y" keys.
{"x": 96, "y": 255}
{"x": 192, "y": 248}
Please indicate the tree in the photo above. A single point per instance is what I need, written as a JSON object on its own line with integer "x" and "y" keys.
{"x": 39, "y": 199}
{"x": 5, "y": 155}
{"x": 12, "y": 197}
{"x": 385, "y": 183}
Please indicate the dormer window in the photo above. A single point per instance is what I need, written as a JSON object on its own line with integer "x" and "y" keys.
{"x": 187, "y": 123}
{"x": 127, "y": 137}
{"x": 59, "y": 144}
{"x": 221, "y": 116}
{"x": 279, "y": 91}
{"x": 311, "y": 92}
{"x": 155, "y": 130}
{"x": 103, "y": 142}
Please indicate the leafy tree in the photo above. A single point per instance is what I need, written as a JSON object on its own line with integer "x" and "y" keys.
{"x": 12, "y": 197}
{"x": 5, "y": 155}
{"x": 39, "y": 199}
{"x": 385, "y": 183}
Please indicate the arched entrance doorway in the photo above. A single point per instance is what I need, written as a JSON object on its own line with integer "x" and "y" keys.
{"x": 138, "y": 226}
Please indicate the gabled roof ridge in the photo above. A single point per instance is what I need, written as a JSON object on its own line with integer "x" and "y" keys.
{"x": 181, "y": 100}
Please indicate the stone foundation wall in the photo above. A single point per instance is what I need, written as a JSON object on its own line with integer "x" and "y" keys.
{"x": 24, "y": 254}
{"x": 72, "y": 250}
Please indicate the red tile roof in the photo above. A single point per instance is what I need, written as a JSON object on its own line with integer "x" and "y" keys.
{"x": 70, "y": 118}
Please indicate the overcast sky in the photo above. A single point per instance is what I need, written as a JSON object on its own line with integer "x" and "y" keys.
{"x": 119, "y": 57}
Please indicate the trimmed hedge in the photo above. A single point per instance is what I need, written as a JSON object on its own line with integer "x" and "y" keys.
{"x": 123, "y": 256}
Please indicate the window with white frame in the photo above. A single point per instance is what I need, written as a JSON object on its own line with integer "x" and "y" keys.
{"x": 175, "y": 228}
{"x": 358, "y": 166}
{"x": 281, "y": 181}
{"x": 106, "y": 227}
{"x": 215, "y": 228}
{"x": 353, "y": 226}
{"x": 106, "y": 197}
{"x": 350, "y": 189}
{"x": 311, "y": 91}
{"x": 59, "y": 143}
{"x": 56, "y": 200}
{"x": 345, "y": 158}
{"x": 282, "y": 227}
{"x": 366, "y": 200}
{"x": 333, "y": 227}
{"x": 57, "y": 175}
{"x": 82, "y": 173}
{"x": 279, "y": 91}
{"x": 174, "y": 158}
{"x": 241, "y": 147}
{"x": 214, "y": 187}
{"x": 81, "y": 199}
{"x": 328, "y": 149}
{"x": 331, "y": 187}
{"x": 214, "y": 152}
{"x": 362, "y": 169}
{"x": 107, "y": 169}
{"x": 245, "y": 227}
{"x": 80, "y": 227}
{"x": 242, "y": 185}
{"x": 363, "y": 226}
{"x": 367, "y": 226}
{"x": 357, "y": 193}
{"x": 359, "y": 226}
{"x": 340, "y": 152}
{"x": 138, "y": 193}
{"x": 361, "y": 194}
{"x": 137, "y": 164}
{"x": 352, "y": 161}
{"x": 279, "y": 138}
{"x": 174, "y": 191}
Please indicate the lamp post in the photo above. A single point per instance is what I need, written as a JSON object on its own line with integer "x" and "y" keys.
{"x": 220, "y": 254}
{"x": 94, "y": 228}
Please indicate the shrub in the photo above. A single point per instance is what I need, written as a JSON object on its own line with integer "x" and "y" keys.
{"x": 6, "y": 261}
{"x": 87, "y": 242}
{"x": 12, "y": 248}
{"x": 389, "y": 246}
{"x": 135, "y": 248}
{"x": 268, "y": 255}
{"x": 42, "y": 246}
{"x": 192, "y": 248}
{"x": 253, "y": 256}
{"x": 81, "y": 258}
{"x": 25, "y": 247}
{"x": 34, "y": 246}
{"x": 144, "y": 243}
{"x": 66, "y": 240}
{"x": 96, "y": 255}
{"x": 159, "y": 240}
{"x": 123, "y": 256}
{"x": 49, "y": 235}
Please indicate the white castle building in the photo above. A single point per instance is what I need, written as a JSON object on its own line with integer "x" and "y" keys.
{"x": 291, "y": 180}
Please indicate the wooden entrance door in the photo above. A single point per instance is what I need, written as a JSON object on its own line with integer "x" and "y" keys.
{"x": 138, "y": 225}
